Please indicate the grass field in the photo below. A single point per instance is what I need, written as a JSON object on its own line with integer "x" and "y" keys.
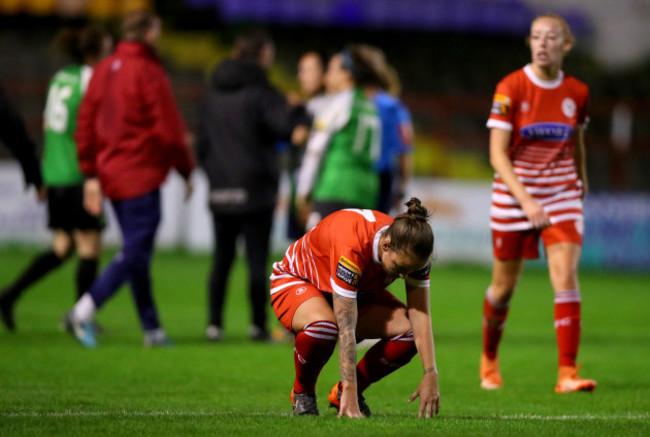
{"x": 49, "y": 385}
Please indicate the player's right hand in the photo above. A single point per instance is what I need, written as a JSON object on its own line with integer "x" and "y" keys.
{"x": 349, "y": 406}
{"x": 93, "y": 197}
{"x": 536, "y": 214}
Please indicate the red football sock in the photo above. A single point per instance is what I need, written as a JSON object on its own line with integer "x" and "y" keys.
{"x": 313, "y": 347}
{"x": 494, "y": 320}
{"x": 567, "y": 326}
{"x": 383, "y": 358}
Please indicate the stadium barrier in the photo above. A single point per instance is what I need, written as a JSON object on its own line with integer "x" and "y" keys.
{"x": 617, "y": 229}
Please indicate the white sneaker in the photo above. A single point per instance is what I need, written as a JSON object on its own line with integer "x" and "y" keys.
{"x": 214, "y": 334}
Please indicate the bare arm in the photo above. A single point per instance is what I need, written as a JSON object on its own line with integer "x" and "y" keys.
{"x": 580, "y": 159}
{"x": 420, "y": 317}
{"x": 345, "y": 311}
{"x": 499, "y": 141}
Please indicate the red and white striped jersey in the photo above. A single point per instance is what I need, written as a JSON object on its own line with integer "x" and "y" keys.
{"x": 542, "y": 116}
{"x": 341, "y": 254}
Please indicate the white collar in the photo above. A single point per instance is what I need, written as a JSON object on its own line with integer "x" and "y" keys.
{"x": 375, "y": 245}
{"x": 547, "y": 84}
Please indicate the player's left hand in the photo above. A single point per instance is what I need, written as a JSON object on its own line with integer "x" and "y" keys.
{"x": 429, "y": 395}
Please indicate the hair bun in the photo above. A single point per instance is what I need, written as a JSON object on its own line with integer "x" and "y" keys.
{"x": 414, "y": 207}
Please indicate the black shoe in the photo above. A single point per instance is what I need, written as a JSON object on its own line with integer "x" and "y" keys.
{"x": 7, "y": 312}
{"x": 258, "y": 334}
{"x": 304, "y": 404}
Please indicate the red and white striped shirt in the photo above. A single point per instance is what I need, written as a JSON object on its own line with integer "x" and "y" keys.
{"x": 341, "y": 255}
{"x": 542, "y": 116}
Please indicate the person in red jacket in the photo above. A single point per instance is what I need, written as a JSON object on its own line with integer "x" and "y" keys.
{"x": 129, "y": 135}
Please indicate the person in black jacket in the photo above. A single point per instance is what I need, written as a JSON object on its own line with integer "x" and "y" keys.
{"x": 243, "y": 118}
{"x": 14, "y": 135}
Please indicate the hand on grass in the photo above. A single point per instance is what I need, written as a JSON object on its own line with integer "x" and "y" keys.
{"x": 429, "y": 395}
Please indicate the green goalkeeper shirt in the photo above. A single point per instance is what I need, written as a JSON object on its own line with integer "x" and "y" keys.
{"x": 344, "y": 145}
{"x": 60, "y": 163}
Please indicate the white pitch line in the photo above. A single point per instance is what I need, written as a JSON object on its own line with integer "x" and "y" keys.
{"x": 125, "y": 413}
{"x": 575, "y": 417}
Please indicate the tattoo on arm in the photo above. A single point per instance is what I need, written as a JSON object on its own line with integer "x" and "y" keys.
{"x": 430, "y": 369}
{"x": 345, "y": 310}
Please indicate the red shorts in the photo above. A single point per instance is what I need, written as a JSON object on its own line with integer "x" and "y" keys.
{"x": 525, "y": 244}
{"x": 286, "y": 301}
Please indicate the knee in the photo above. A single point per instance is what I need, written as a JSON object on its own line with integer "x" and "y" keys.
{"x": 564, "y": 279}
{"x": 62, "y": 248}
{"x": 407, "y": 351}
{"x": 135, "y": 260}
{"x": 322, "y": 336}
{"x": 88, "y": 246}
{"x": 500, "y": 291}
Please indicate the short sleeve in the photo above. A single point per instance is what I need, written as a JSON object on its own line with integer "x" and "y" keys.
{"x": 503, "y": 104}
{"x": 346, "y": 270}
{"x": 335, "y": 114}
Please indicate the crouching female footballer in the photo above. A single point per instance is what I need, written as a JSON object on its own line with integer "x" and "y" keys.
{"x": 331, "y": 285}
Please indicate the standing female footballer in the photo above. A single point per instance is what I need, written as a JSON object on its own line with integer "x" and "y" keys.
{"x": 331, "y": 285}
{"x": 73, "y": 228}
{"x": 537, "y": 151}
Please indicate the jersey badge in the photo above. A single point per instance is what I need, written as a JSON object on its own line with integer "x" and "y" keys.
{"x": 569, "y": 107}
{"x": 348, "y": 272}
{"x": 501, "y": 105}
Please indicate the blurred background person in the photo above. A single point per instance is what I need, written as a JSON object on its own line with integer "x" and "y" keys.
{"x": 337, "y": 171}
{"x": 393, "y": 165}
{"x": 243, "y": 118}
{"x": 537, "y": 150}
{"x": 72, "y": 226}
{"x": 130, "y": 134}
{"x": 15, "y": 137}
{"x": 311, "y": 76}
{"x": 402, "y": 174}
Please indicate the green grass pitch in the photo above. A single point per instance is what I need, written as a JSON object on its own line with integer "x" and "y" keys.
{"x": 49, "y": 385}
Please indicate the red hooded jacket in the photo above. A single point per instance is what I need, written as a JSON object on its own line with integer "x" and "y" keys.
{"x": 130, "y": 131}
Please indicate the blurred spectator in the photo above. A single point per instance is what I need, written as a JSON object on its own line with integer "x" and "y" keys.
{"x": 72, "y": 226}
{"x": 130, "y": 134}
{"x": 14, "y": 135}
{"x": 337, "y": 170}
{"x": 243, "y": 117}
{"x": 311, "y": 75}
{"x": 394, "y": 164}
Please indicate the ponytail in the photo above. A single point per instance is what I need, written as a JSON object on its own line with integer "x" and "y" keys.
{"x": 411, "y": 232}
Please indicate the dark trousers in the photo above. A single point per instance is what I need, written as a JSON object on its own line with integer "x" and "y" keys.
{"x": 386, "y": 191}
{"x": 138, "y": 219}
{"x": 256, "y": 229}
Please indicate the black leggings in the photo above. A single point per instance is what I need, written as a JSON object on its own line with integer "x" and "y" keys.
{"x": 256, "y": 229}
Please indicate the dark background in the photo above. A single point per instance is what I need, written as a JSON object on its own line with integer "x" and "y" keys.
{"x": 448, "y": 73}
